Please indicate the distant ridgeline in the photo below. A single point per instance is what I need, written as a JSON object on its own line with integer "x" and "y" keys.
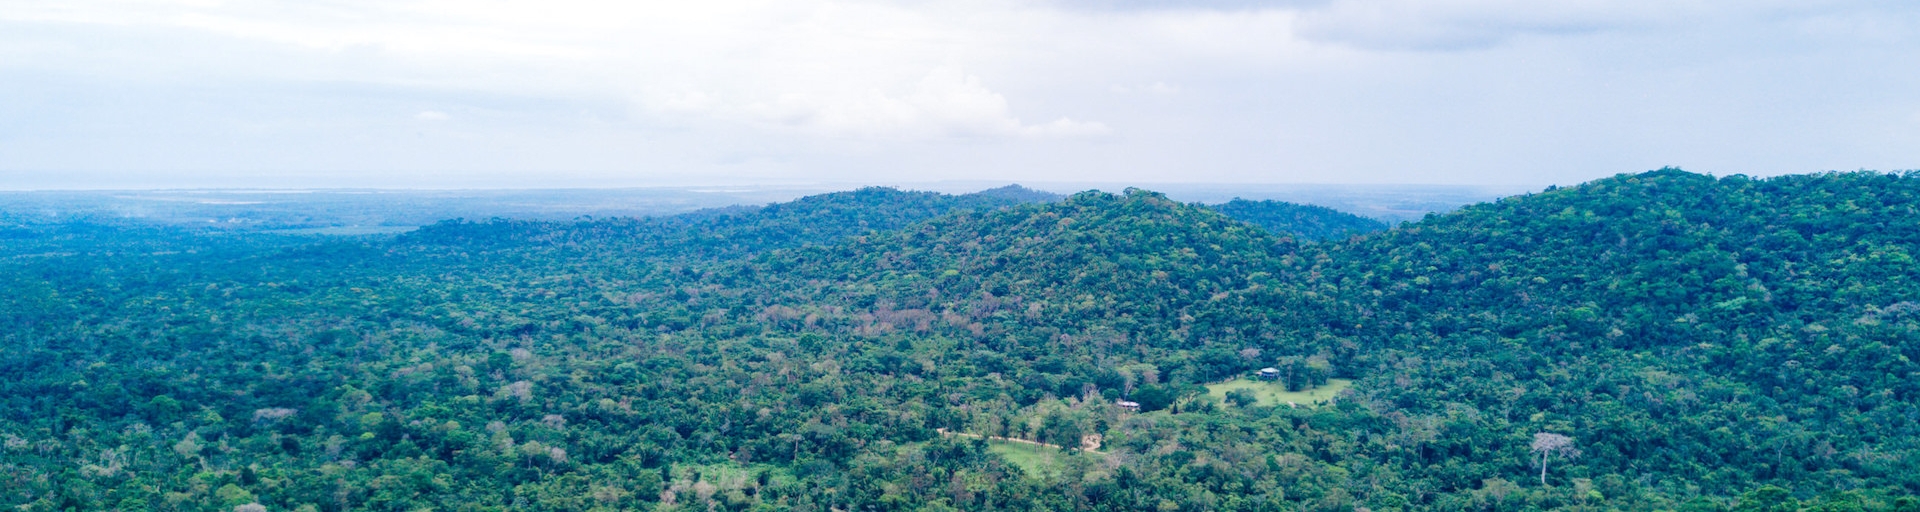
{"x": 812, "y": 220}
{"x": 1655, "y": 341}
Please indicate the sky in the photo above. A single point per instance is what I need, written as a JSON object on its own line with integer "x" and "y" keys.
{"x": 569, "y": 93}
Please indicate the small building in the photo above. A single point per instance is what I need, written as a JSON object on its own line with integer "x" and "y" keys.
{"x": 1270, "y": 373}
{"x": 1129, "y": 406}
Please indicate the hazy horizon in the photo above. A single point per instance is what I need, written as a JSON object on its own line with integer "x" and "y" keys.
{"x": 944, "y": 186}
{"x": 320, "y": 207}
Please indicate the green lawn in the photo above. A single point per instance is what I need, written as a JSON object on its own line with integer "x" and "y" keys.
{"x": 1273, "y": 393}
{"x": 1035, "y": 460}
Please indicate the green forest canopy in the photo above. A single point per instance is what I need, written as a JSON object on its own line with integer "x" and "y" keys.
{"x": 1704, "y": 343}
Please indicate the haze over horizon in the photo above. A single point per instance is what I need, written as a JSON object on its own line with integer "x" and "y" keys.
{"x": 113, "y": 94}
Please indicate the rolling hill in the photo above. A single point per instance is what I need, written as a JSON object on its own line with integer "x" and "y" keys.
{"x": 1698, "y": 343}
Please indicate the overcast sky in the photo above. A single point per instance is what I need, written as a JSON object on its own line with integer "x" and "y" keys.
{"x": 561, "y": 93}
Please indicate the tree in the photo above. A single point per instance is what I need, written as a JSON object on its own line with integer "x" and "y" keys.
{"x": 1767, "y": 499}
{"x": 1058, "y": 429}
{"x": 1153, "y": 397}
{"x": 1546, "y": 444}
{"x": 1241, "y": 398}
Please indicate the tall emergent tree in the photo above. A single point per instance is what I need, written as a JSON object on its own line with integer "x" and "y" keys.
{"x": 1546, "y": 444}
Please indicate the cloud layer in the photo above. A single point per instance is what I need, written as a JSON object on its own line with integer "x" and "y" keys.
{"x": 634, "y": 93}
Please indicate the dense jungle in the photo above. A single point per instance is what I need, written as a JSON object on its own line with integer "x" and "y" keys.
{"x": 1654, "y": 341}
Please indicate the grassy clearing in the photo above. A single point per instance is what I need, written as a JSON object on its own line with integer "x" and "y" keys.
{"x": 727, "y": 475}
{"x": 1035, "y": 460}
{"x": 1270, "y": 393}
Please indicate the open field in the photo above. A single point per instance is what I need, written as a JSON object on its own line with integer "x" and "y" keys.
{"x": 1270, "y": 393}
{"x": 1035, "y": 459}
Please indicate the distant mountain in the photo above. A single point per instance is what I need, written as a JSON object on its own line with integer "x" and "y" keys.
{"x": 1307, "y": 221}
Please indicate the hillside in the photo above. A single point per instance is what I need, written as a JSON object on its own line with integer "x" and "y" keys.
{"x": 1702, "y": 343}
{"x": 1666, "y": 319}
{"x": 1307, "y": 221}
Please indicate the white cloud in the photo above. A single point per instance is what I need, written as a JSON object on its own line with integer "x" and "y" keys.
{"x": 832, "y": 68}
{"x": 1450, "y": 24}
{"x": 1323, "y": 90}
{"x": 944, "y": 102}
{"x": 1476, "y": 24}
{"x": 1156, "y": 88}
{"x": 960, "y": 103}
{"x": 1066, "y": 127}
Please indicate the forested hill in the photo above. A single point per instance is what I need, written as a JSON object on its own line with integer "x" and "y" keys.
{"x": 818, "y": 219}
{"x": 1063, "y": 282}
{"x": 1307, "y": 221}
{"x": 1664, "y": 340}
{"x": 1716, "y": 332}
